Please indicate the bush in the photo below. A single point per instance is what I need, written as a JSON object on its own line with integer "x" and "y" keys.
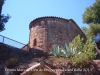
{"x": 79, "y": 53}
{"x": 81, "y": 59}
{"x": 84, "y": 52}
{"x": 11, "y": 62}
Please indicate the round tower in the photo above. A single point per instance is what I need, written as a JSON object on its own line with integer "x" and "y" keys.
{"x": 47, "y": 31}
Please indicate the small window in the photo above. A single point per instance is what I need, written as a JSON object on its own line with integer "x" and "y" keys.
{"x": 34, "y": 42}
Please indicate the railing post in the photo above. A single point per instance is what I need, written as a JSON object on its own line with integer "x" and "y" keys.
{"x": 3, "y": 39}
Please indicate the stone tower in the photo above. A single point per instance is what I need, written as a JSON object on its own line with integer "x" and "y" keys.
{"x": 47, "y": 31}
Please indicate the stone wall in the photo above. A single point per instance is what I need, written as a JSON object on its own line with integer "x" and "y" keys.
{"x": 7, "y": 51}
{"x": 47, "y": 31}
{"x": 24, "y": 57}
{"x": 37, "y": 38}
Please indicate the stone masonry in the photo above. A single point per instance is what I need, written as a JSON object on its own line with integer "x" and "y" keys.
{"x": 47, "y": 31}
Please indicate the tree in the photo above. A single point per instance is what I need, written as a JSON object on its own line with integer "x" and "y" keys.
{"x": 92, "y": 17}
{"x": 84, "y": 29}
{"x": 3, "y": 19}
{"x": 93, "y": 29}
{"x": 92, "y": 13}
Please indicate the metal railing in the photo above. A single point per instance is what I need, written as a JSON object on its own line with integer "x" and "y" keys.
{"x": 11, "y": 42}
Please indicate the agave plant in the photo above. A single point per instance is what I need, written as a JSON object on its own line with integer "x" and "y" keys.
{"x": 68, "y": 51}
{"x": 61, "y": 51}
{"x": 56, "y": 50}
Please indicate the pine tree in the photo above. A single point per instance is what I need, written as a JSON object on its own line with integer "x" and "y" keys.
{"x": 3, "y": 19}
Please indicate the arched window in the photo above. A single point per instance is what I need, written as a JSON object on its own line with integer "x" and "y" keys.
{"x": 34, "y": 42}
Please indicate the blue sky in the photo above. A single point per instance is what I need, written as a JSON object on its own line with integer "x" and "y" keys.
{"x": 22, "y": 12}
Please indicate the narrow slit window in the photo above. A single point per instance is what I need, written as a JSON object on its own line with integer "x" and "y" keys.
{"x": 34, "y": 42}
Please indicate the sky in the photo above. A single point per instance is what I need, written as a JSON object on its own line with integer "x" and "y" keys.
{"x": 22, "y": 12}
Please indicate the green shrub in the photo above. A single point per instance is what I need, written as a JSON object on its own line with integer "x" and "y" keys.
{"x": 81, "y": 59}
{"x": 84, "y": 52}
{"x": 11, "y": 62}
{"x": 76, "y": 45}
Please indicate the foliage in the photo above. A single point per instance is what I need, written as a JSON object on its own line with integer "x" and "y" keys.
{"x": 91, "y": 16}
{"x": 3, "y": 19}
{"x": 92, "y": 31}
{"x": 86, "y": 50}
{"x": 78, "y": 52}
{"x": 76, "y": 45}
{"x": 61, "y": 51}
{"x": 84, "y": 29}
{"x": 11, "y": 62}
{"x": 92, "y": 13}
